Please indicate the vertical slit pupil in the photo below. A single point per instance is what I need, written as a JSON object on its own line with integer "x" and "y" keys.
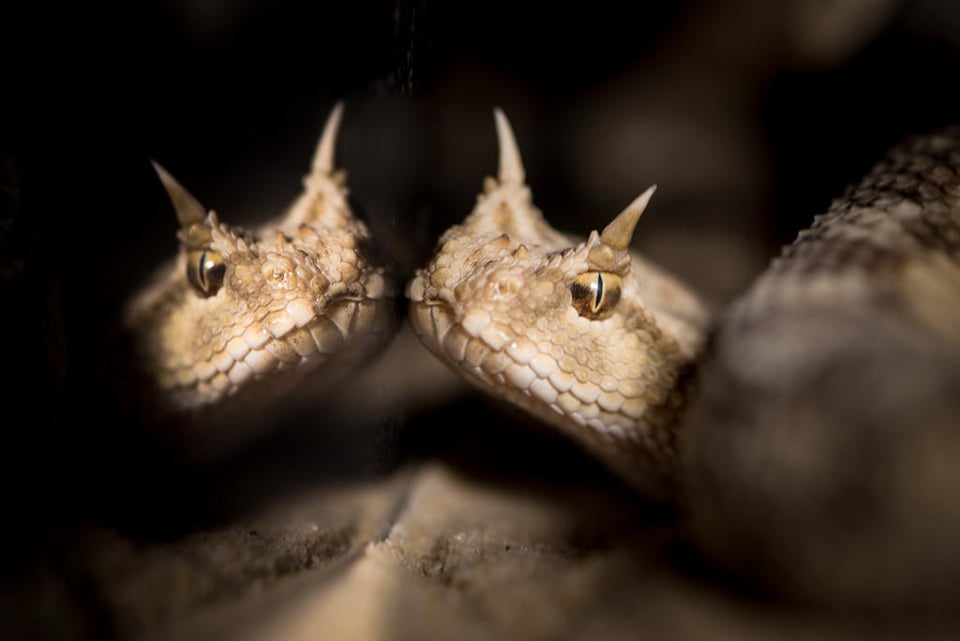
{"x": 202, "y": 269}
{"x": 599, "y": 297}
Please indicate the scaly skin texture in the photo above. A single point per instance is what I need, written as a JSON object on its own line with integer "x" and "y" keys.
{"x": 823, "y": 448}
{"x": 507, "y": 302}
{"x": 298, "y": 293}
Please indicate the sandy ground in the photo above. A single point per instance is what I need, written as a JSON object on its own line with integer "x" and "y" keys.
{"x": 428, "y": 552}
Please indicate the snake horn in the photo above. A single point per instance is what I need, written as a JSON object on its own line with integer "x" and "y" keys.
{"x": 189, "y": 210}
{"x": 619, "y": 233}
{"x": 511, "y": 167}
{"x": 323, "y": 157}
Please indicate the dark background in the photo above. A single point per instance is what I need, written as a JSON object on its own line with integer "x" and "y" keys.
{"x": 749, "y": 115}
{"x": 231, "y": 95}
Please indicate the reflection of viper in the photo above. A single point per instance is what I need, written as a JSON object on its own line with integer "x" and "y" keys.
{"x": 238, "y": 312}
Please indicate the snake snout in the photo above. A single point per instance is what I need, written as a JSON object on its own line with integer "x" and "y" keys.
{"x": 432, "y": 319}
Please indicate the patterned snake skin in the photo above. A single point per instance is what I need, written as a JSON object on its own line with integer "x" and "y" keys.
{"x": 823, "y": 449}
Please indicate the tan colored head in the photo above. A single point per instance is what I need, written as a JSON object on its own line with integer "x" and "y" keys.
{"x": 238, "y": 306}
{"x": 580, "y": 333}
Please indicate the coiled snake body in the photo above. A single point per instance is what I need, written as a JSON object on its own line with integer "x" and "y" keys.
{"x": 823, "y": 447}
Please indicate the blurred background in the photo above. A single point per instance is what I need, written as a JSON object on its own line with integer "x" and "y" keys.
{"x": 749, "y": 115}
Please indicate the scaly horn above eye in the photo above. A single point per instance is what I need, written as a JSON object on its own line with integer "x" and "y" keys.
{"x": 323, "y": 157}
{"x": 189, "y": 210}
{"x": 511, "y": 166}
{"x": 619, "y": 233}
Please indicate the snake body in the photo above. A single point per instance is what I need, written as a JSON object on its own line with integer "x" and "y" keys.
{"x": 245, "y": 315}
{"x": 583, "y": 334}
{"x": 823, "y": 449}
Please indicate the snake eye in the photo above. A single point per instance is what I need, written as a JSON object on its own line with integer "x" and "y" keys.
{"x": 595, "y": 294}
{"x": 205, "y": 271}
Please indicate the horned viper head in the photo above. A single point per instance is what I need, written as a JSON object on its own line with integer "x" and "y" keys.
{"x": 582, "y": 334}
{"x": 240, "y": 311}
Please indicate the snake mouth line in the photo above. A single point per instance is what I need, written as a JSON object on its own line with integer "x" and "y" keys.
{"x": 532, "y": 379}
{"x": 290, "y": 341}
{"x": 609, "y": 422}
